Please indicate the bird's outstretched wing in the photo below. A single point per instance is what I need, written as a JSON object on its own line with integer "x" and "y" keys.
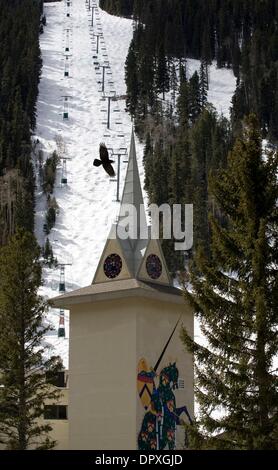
{"x": 104, "y": 160}
{"x": 109, "y": 169}
{"x": 103, "y": 153}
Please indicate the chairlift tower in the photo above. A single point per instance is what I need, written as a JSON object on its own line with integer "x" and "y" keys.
{"x": 119, "y": 153}
{"x": 64, "y": 178}
{"x": 62, "y": 283}
{"x": 112, "y": 97}
{"x": 66, "y": 71}
{"x": 104, "y": 67}
{"x": 66, "y": 106}
{"x": 67, "y": 47}
{"x": 67, "y": 64}
{"x": 62, "y": 290}
{"x": 92, "y": 20}
{"x": 61, "y": 329}
{"x": 97, "y": 36}
{"x": 109, "y": 98}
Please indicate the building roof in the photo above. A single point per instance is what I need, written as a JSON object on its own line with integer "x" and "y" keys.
{"x": 117, "y": 290}
{"x": 132, "y": 215}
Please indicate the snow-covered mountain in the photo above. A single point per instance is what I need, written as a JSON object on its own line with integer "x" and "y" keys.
{"x": 87, "y": 203}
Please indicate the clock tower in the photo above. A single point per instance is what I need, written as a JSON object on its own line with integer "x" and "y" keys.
{"x": 131, "y": 380}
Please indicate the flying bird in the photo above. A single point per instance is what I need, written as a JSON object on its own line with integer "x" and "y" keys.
{"x": 104, "y": 160}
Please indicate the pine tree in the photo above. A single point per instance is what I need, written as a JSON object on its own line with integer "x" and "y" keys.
{"x": 23, "y": 388}
{"x": 173, "y": 84}
{"x": 194, "y": 97}
{"x": 20, "y": 65}
{"x": 146, "y": 73}
{"x": 47, "y": 253}
{"x": 182, "y": 102}
{"x": 147, "y": 160}
{"x": 131, "y": 71}
{"x": 234, "y": 293}
{"x": 50, "y": 219}
{"x": 204, "y": 83}
{"x": 24, "y": 209}
{"x": 162, "y": 71}
{"x": 138, "y": 9}
{"x": 158, "y": 193}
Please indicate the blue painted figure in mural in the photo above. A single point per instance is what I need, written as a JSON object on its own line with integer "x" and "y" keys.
{"x": 158, "y": 428}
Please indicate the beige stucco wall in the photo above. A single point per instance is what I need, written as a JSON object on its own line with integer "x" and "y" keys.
{"x": 107, "y": 339}
{"x": 102, "y": 361}
{"x": 60, "y": 428}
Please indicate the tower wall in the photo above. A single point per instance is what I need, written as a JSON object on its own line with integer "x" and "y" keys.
{"x": 156, "y": 321}
{"x": 108, "y": 340}
{"x": 102, "y": 408}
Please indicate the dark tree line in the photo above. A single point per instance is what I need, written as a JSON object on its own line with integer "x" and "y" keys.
{"x": 184, "y": 136}
{"x": 20, "y": 66}
{"x": 234, "y": 295}
{"x": 239, "y": 34}
{"x": 183, "y": 153}
{"x": 118, "y": 7}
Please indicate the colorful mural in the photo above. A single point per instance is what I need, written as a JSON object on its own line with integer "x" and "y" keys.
{"x": 156, "y": 392}
{"x": 158, "y": 430}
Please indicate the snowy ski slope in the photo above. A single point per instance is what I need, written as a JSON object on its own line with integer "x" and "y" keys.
{"x": 87, "y": 203}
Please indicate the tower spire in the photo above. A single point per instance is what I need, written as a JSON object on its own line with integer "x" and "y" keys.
{"x": 129, "y": 241}
{"x": 132, "y": 194}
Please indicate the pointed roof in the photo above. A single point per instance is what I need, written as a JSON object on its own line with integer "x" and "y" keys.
{"x": 130, "y": 235}
{"x": 132, "y": 193}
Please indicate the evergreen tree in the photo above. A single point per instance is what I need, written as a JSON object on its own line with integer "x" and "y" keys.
{"x": 234, "y": 293}
{"x": 147, "y": 160}
{"x": 50, "y": 168}
{"x": 23, "y": 388}
{"x": 194, "y": 97}
{"x": 158, "y": 193}
{"x": 173, "y": 84}
{"x": 24, "y": 209}
{"x": 183, "y": 102}
{"x": 162, "y": 71}
{"x": 50, "y": 219}
{"x": 204, "y": 83}
{"x": 20, "y": 65}
{"x": 138, "y": 9}
{"x": 47, "y": 253}
{"x": 146, "y": 76}
{"x": 131, "y": 70}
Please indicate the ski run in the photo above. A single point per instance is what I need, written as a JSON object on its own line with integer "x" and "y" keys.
{"x": 79, "y": 47}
